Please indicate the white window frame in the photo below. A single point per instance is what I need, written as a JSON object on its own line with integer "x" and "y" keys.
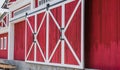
{"x": 5, "y": 43}
{"x": 1, "y": 43}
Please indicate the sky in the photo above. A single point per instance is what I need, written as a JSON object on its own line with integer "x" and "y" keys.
{"x": 1, "y": 3}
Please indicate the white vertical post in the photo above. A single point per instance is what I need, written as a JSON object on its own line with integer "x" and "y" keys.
{"x": 2, "y": 44}
{"x": 47, "y": 36}
{"x": 7, "y": 20}
{"x": 62, "y": 33}
{"x": 82, "y": 34}
{"x": 35, "y": 45}
{"x": 5, "y": 43}
{"x": 10, "y": 39}
{"x": 26, "y": 39}
{"x": 32, "y": 4}
{"x": 11, "y": 42}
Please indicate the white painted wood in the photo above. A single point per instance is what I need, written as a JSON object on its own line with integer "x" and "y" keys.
{"x": 1, "y": 43}
{"x": 32, "y": 4}
{"x": 18, "y": 4}
{"x": 27, "y": 6}
{"x": 62, "y": 35}
{"x": 15, "y": 20}
{"x": 82, "y": 35}
{"x": 26, "y": 40}
{"x": 47, "y": 36}
{"x": 59, "y": 4}
{"x": 11, "y": 42}
{"x": 35, "y": 45}
{"x": 56, "y": 64}
{"x": 7, "y": 20}
{"x": 4, "y": 30}
{"x": 5, "y": 43}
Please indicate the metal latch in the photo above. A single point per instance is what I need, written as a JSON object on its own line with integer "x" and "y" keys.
{"x": 62, "y": 34}
{"x": 34, "y": 40}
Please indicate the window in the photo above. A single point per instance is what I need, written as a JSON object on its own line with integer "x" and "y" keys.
{"x": 21, "y": 10}
{"x": 5, "y": 42}
{"x": 1, "y": 43}
{"x": 41, "y": 2}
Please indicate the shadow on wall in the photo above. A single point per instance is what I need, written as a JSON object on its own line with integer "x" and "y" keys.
{"x": 102, "y": 34}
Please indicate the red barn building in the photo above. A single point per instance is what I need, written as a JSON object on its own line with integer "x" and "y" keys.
{"x": 4, "y": 35}
{"x": 66, "y": 34}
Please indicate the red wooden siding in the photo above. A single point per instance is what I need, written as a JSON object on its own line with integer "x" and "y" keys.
{"x": 54, "y": 35}
{"x": 30, "y": 38}
{"x": 41, "y": 36}
{"x": 102, "y": 39}
{"x": 73, "y": 33}
{"x": 36, "y": 3}
{"x": 3, "y": 51}
{"x": 0, "y": 24}
{"x": 19, "y": 41}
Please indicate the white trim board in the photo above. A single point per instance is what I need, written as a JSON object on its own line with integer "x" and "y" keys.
{"x": 3, "y": 30}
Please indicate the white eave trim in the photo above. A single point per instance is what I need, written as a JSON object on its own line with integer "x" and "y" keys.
{"x": 3, "y": 30}
{"x": 18, "y": 4}
{"x": 15, "y": 20}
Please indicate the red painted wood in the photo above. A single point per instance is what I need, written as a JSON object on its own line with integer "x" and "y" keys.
{"x": 41, "y": 36}
{"x": 36, "y": 3}
{"x": 19, "y": 41}
{"x": 30, "y": 37}
{"x": 0, "y": 24}
{"x": 54, "y": 35}
{"x": 73, "y": 33}
{"x": 12, "y": 0}
{"x": 102, "y": 34}
{"x": 4, "y": 52}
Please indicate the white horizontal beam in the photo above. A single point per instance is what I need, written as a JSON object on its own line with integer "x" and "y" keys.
{"x": 4, "y": 10}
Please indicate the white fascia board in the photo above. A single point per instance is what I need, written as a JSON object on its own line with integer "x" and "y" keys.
{"x": 18, "y": 4}
{"x": 3, "y": 30}
{"x": 17, "y": 20}
{"x": 5, "y": 10}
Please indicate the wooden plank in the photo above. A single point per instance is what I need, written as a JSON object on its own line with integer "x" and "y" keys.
{"x": 7, "y": 66}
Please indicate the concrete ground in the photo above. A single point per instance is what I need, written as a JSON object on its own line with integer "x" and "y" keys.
{"x": 21, "y": 65}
